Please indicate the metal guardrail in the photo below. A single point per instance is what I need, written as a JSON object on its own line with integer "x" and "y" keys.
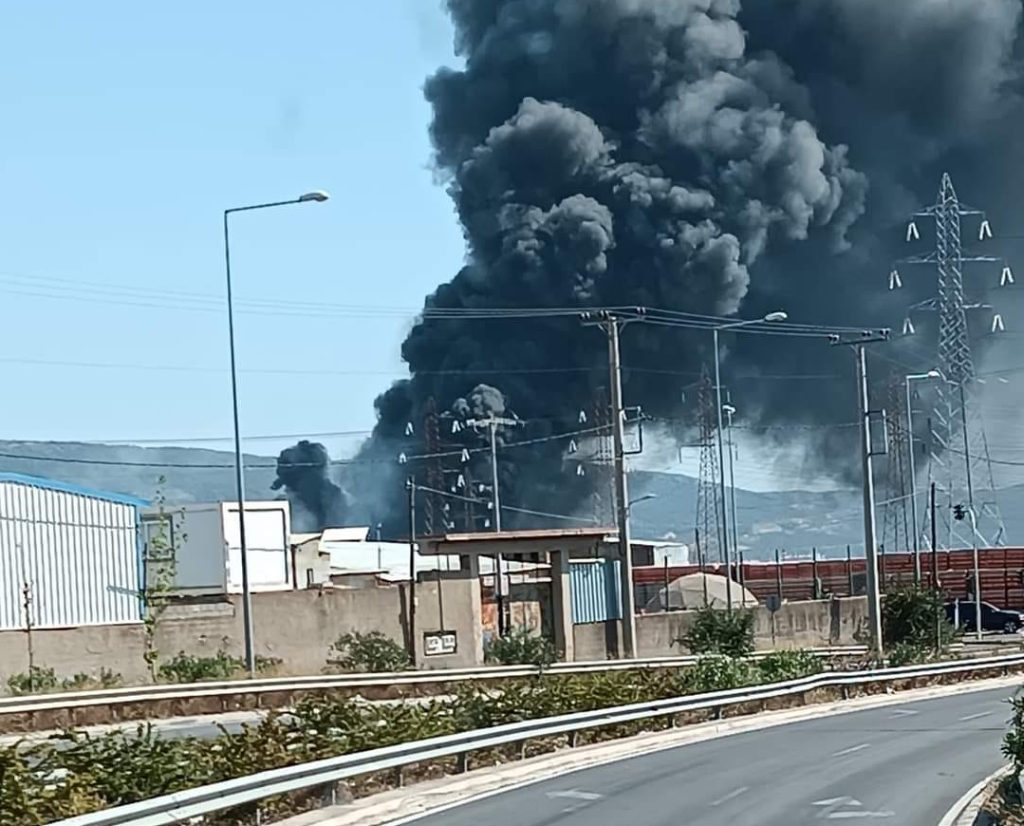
{"x": 217, "y": 797}
{"x": 400, "y": 679}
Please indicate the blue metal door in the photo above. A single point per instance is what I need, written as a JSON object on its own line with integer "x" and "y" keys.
{"x": 596, "y": 590}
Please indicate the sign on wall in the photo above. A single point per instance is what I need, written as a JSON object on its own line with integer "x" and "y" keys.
{"x": 438, "y": 643}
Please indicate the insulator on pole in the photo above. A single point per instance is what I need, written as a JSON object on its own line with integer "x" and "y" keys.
{"x": 456, "y": 427}
{"x": 461, "y": 482}
{"x": 408, "y": 429}
{"x": 997, "y": 324}
{"x": 895, "y": 282}
{"x": 402, "y": 458}
{"x": 465, "y": 455}
{"x": 583, "y": 417}
{"x": 985, "y": 230}
{"x": 908, "y": 326}
{"x": 573, "y": 447}
{"x": 1007, "y": 276}
{"x": 912, "y": 233}
{"x": 580, "y": 471}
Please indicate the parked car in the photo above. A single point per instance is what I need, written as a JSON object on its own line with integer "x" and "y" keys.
{"x": 992, "y": 618}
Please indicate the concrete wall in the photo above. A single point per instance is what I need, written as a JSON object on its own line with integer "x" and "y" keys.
{"x": 796, "y": 625}
{"x": 296, "y": 627}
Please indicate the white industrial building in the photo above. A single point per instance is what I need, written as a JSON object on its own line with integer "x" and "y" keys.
{"x": 203, "y": 540}
{"x": 74, "y": 550}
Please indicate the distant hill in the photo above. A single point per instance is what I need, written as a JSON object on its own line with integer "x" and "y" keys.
{"x": 181, "y": 474}
{"x": 794, "y": 521}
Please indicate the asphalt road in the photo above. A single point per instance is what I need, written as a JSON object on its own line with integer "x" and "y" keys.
{"x": 904, "y": 765}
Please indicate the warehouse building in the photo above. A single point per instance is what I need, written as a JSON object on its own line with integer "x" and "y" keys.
{"x": 72, "y": 551}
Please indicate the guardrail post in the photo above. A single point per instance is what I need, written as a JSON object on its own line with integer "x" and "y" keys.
{"x": 574, "y": 738}
{"x": 399, "y": 777}
{"x": 464, "y": 762}
{"x": 719, "y": 712}
{"x": 845, "y": 692}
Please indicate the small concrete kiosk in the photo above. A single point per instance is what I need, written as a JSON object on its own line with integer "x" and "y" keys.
{"x": 551, "y": 547}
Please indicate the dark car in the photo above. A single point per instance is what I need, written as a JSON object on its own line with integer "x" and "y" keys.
{"x": 992, "y": 618}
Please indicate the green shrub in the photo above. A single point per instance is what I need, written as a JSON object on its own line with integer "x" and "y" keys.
{"x": 716, "y": 631}
{"x": 36, "y": 680}
{"x": 780, "y": 666}
{"x": 521, "y": 647}
{"x": 910, "y": 616}
{"x": 372, "y": 653}
{"x": 188, "y": 668}
{"x": 717, "y": 672}
{"x": 906, "y": 653}
{"x": 1013, "y": 741}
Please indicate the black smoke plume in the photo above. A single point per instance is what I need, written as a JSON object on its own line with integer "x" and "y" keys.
{"x": 693, "y": 155}
{"x": 303, "y": 471}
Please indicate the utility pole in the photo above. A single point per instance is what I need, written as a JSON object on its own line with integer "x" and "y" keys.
{"x": 610, "y": 324}
{"x": 492, "y": 423}
{"x": 410, "y": 486}
{"x": 870, "y": 540}
{"x": 935, "y": 570}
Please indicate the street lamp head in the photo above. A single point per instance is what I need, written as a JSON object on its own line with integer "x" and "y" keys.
{"x": 776, "y": 316}
{"x": 316, "y": 195}
{"x": 934, "y": 374}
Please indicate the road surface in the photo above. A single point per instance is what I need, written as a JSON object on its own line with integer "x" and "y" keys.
{"x": 903, "y": 765}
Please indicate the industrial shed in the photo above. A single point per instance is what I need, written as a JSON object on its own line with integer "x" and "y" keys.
{"x": 77, "y": 549}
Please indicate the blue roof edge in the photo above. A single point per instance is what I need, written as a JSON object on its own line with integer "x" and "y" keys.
{"x": 69, "y": 487}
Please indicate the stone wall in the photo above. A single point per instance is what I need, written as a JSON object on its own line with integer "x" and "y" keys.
{"x": 296, "y": 627}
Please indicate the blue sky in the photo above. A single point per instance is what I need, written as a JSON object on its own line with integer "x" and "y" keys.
{"x": 128, "y": 128}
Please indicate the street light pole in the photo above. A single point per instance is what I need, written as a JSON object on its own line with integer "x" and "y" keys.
{"x": 730, "y": 412}
{"x": 771, "y": 317}
{"x": 250, "y": 655}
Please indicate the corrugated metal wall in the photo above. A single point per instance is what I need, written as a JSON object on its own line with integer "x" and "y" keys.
{"x": 78, "y": 552}
{"x": 596, "y": 590}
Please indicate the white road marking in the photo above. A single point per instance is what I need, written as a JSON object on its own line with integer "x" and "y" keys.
{"x": 903, "y": 712}
{"x": 852, "y": 749}
{"x": 975, "y": 716}
{"x": 852, "y": 806}
{"x": 576, "y": 794}
{"x": 731, "y": 796}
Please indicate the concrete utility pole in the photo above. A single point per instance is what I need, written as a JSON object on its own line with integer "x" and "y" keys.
{"x": 492, "y": 423}
{"x": 410, "y": 486}
{"x": 611, "y": 324}
{"x": 870, "y": 540}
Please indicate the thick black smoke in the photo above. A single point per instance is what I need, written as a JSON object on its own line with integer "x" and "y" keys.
{"x": 689, "y": 155}
{"x": 304, "y": 472}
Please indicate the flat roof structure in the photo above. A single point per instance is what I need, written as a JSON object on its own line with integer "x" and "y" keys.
{"x": 517, "y": 543}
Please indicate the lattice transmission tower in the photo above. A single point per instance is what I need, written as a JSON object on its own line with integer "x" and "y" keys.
{"x": 959, "y": 462}
{"x": 708, "y": 503}
{"x": 897, "y": 533}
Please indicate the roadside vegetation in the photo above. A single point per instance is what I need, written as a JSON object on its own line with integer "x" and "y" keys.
{"x": 77, "y": 773}
{"x": 39, "y": 680}
{"x": 521, "y": 646}
{"x": 371, "y": 652}
{"x": 716, "y": 631}
{"x": 914, "y": 625}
